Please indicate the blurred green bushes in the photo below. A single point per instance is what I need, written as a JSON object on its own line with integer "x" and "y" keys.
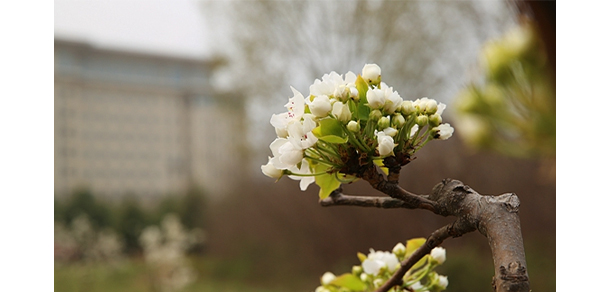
{"x": 129, "y": 216}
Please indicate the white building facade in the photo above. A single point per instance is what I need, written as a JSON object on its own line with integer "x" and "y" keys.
{"x": 141, "y": 124}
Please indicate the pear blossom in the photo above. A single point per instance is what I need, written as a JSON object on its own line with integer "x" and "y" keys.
{"x": 443, "y": 131}
{"x": 392, "y": 99}
{"x": 376, "y": 260}
{"x": 399, "y": 249}
{"x": 353, "y": 126}
{"x": 270, "y": 170}
{"x": 376, "y": 98}
{"x": 303, "y": 170}
{"x": 443, "y": 282}
{"x": 285, "y": 154}
{"x": 296, "y": 109}
{"x": 299, "y": 133}
{"x": 385, "y": 143}
{"x": 341, "y": 112}
{"x": 327, "y": 278}
{"x": 320, "y": 106}
{"x": 371, "y": 73}
{"x": 390, "y": 131}
{"x": 438, "y": 254}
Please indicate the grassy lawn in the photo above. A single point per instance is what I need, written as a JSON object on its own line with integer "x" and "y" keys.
{"x": 132, "y": 275}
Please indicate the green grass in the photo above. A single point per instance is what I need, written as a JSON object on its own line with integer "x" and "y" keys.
{"x": 131, "y": 275}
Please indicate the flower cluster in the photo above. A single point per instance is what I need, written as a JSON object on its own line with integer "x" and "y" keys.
{"x": 345, "y": 116}
{"x": 379, "y": 266}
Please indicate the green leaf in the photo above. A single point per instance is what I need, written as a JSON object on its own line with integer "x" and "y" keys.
{"x": 350, "y": 282}
{"x": 362, "y": 87}
{"x": 327, "y": 182}
{"x": 331, "y": 131}
{"x": 334, "y": 139}
{"x": 412, "y": 246}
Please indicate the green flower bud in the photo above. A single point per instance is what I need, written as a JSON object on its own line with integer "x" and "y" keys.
{"x": 384, "y": 122}
{"x": 375, "y": 115}
{"x": 435, "y": 120}
{"x": 421, "y": 120}
{"x": 407, "y": 107}
{"x": 398, "y": 120}
{"x": 353, "y": 126}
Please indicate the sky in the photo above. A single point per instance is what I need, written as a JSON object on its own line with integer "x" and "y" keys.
{"x": 172, "y": 27}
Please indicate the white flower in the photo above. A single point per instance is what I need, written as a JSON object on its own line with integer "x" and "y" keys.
{"x": 390, "y": 132}
{"x": 333, "y": 84}
{"x": 327, "y": 278}
{"x": 376, "y": 98}
{"x": 392, "y": 99}
{"x": 443, "y": 282}
{"x": 443, "y": 132}
{"x": 270, "y": 170}
{"x": 320, "y": 106}
{"x": 304, "y": 170}
{"x": 385, "y": 143}
{"x": 377, "y": 260}
{"x": 438, "y": 254}
{"x": 371, "y": 73}
{"x": 296, "y": 109}
{"x": 413, "y": 130}
{"x": 417, "y": 286}
{"x": 299, "y": 133}
{"x": 399, "y": 249}
{"x": 285, "y": 154}
{"x": 341, "y": 111}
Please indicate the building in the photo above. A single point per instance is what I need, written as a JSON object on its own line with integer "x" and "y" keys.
{"x": 143, "y": 124}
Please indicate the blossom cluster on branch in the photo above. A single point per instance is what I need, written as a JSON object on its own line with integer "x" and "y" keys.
{"x": 377, "y": 267}
{"x": 347, "y": 118}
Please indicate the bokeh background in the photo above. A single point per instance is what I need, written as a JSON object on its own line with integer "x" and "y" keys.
{"x": 161, "y": 124}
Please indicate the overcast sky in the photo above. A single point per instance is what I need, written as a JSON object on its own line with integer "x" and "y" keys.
{"x": 173, "y": 27}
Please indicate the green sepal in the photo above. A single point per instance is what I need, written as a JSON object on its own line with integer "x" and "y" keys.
{"x": 327, "y": 182}
{"x": 361, "y": 257}
{"x": 379, "y": 162}
{"x": 350, "y": 282}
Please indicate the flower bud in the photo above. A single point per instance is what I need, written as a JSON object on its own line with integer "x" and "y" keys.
{"x": 341, "y": 112}
{"x": 399, "y": 250}
{"x": 327, "y": 278}
{"x": 431, "y": 106}
{"x": 383, "y": 122}
{"x": 407, "y": 107}
{"x": 398, "y": 120}
{"x": 353, "y": 126}
{"x": 371, "y": 73}
{"x": 357, "y": 270}
{"x": 377, "y": 283}
{"x": 375, "y": 115}
{"x": 435, "y": 120}
{"x": 421, "y": 120}
{"x": 438, "y": 255}
{"x": 443, "y": 282}
{"x": 320, "y": 106}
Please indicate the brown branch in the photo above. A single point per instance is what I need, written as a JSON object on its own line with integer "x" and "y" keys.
{"x": 495, "y": 217}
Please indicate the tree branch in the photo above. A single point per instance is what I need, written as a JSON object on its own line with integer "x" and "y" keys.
{"x": 455, "y": 229}
{"x": 495, "y": 217}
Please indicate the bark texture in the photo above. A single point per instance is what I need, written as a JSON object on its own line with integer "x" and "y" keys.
{"x": 495, "y": 217}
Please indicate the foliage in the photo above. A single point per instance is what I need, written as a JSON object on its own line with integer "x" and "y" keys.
{"x": 512, "y": 110}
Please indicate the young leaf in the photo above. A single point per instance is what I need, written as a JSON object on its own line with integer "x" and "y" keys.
{"x": 350, "y": 282}
{"x": 331, "y": 131}
{"x": 327, "y": 182}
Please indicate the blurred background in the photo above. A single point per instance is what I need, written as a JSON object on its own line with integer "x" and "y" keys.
{"x": 162, "y": 115}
